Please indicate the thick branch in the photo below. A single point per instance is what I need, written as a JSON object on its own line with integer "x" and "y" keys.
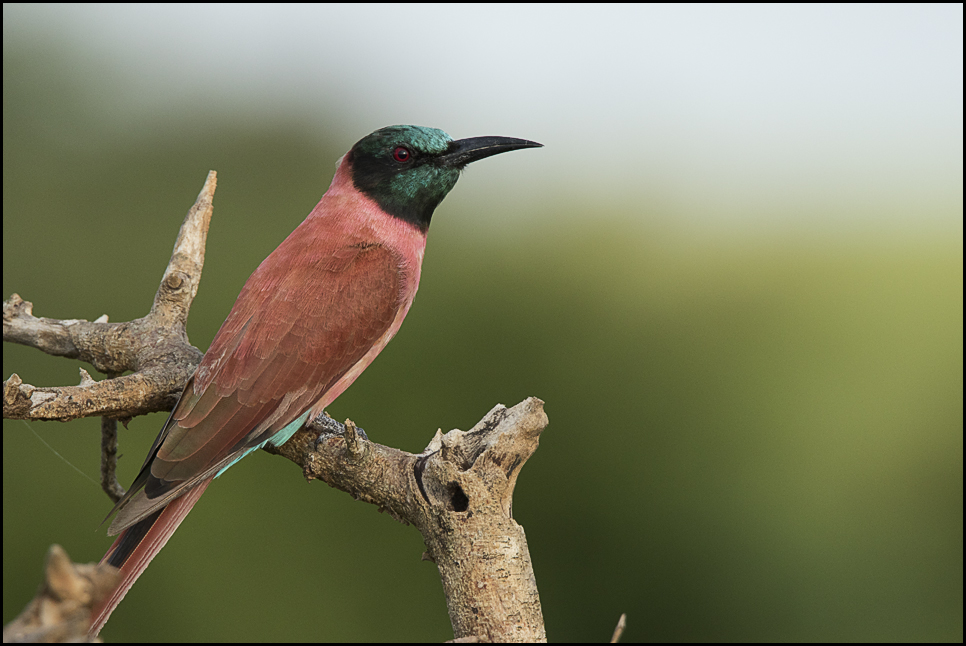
{"x": 458, "y": 493}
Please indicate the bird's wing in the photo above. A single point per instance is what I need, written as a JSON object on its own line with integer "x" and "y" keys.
{"x": 307, "y": 315}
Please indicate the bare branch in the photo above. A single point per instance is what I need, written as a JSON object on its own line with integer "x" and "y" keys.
{"x": 109, "y": 482}
{"x": 458, "y": 493}
{"x": 619, "y": 629}
{"x": 155, "y": 347}
{"x": 61, "y": 611}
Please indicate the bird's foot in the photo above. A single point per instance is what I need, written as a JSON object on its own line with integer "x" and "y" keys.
{"x": 329, "y": 427}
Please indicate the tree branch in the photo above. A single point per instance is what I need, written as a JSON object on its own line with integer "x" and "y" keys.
{"x": 61, "y": 611}
{"x": 458, "y": 493}
{"x": 155, "y": 347}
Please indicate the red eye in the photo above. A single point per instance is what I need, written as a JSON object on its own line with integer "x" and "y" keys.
{"x": 401, "y": 154}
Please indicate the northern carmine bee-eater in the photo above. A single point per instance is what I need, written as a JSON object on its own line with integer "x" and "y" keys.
{"x": 309, "y": 320}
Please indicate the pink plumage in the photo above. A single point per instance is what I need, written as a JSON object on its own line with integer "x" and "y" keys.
{"x": 308, "y": 321}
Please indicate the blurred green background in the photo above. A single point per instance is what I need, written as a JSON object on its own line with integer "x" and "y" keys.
{"x": 734, "y": 274}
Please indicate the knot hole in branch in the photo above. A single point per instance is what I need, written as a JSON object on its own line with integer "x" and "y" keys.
{"x": 450, "y": 495}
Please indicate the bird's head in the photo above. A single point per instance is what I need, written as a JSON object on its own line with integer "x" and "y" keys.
{"x": 408, "y": 170}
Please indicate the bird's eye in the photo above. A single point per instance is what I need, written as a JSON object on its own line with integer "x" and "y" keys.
{"x": 401, "y": 154}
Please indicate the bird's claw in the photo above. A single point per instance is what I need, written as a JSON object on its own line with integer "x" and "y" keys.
{"x": 329, "y": 427}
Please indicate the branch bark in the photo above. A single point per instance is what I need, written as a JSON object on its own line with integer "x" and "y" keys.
{"x": 155, "y": 347}
{"x": 458, "y": 492}
{"x": 61, "y": 611}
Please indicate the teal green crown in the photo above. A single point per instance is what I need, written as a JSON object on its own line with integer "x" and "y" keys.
{"x": 410, "y": 190}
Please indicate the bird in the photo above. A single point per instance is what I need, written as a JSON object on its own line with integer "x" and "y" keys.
{"x": 307, "y": 322}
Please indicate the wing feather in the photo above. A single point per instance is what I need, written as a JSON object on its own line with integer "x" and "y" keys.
{"x": 307, "y": 315}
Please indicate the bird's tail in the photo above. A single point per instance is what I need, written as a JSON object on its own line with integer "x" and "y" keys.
{"x": 137, "y": 545}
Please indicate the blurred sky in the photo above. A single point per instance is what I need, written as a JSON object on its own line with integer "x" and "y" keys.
{"x": 733, "y": 116}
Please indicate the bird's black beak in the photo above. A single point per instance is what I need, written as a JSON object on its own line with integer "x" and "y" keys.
{"x": 464, "y": 151}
